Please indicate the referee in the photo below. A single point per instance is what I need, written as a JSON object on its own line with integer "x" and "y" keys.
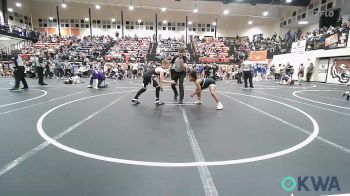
{"x": 178, "y": 72}
{"x": 19, "y": 71}
{"x": 247, "y": 73}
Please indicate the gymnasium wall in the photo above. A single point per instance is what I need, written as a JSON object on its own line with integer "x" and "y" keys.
{"x": 20, "y": 15}
{"x": 309, "y": 57}
{"x": 226, "y": 25}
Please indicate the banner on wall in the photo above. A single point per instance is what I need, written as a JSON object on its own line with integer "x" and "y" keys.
{"x": 65, "y": 32}
{"x": 52, "y": 31}
{"x": 332, "y": 41}
{"x": 258, "y": 55}
{"x": 298, "y": 47}
{"x": 339, "y": 70}
{"x": 323, "y": 69}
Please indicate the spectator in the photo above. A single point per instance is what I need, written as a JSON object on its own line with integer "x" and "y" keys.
{"x": 301, "y": 73}
{"x": 309, "y": 72}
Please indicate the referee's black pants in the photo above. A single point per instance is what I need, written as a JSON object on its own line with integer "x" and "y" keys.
{"x": 181, "y": 77}
{"x": 20, "y": 76}
{"x": 248, "y": 75}
{"x": 40, "y": 71}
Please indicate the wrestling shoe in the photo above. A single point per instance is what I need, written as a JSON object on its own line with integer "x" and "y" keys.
{"x": 220, "y": 106}
{"x": 198, "y": 102}
{"x": 157, "y": 102}
{"x": 135, "y": 101}
{"x": 14, "y": 89}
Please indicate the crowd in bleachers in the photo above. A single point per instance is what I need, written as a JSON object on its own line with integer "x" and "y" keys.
{"x": 273, "y": 44}
{"x": 20, "y": 32}
{"x": 168, "y": 48}
{"x": 67, "y": 56}
{"x": 63, "y": 56}
{"x": 315, "y": 39}
{"x": 129, "y": 49}
{"x": 211, "y": 50}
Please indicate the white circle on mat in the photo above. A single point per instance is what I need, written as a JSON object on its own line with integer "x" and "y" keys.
{"x": 319, "y": 102}
{"x": 299, "y": 146}
{"x": 42, "y": 95}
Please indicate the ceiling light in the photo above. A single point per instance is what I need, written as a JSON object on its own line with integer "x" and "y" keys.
{"x": 139, "y": 20}
{"x": 250, "y": 22}
{"x": 189, "y": 22}
{"x": 10, "y": 10}
{"x": 164, "y": 22}
{"x": 98, "y": 7}
{"x": 303, "y": 22}
{"x": 131, "y": 7}
{"x": 64, "y": 5}
{"x": 50, "y": 18}
{"x": 265, "y": 13}
{"x": 18, "y": 4}
{"x": 195, "y": 10}
{"x": 163, "y": 9}
{"x": 288, "y": 1}
{"x": 87, "y": 19}
{"x": 214, "y": 23}
{"x": 226, "y": 11}
{"x": 113, "y": 19}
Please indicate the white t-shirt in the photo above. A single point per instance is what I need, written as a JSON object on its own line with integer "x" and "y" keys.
{"x": 134, "y": 66}
{"x": 19, "y": 61}
{"x": 76, "y": 79}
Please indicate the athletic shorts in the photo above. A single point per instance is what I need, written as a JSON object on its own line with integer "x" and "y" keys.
{"x": 149, "y": 80}
{"x": 134, "y": 72}
{"x": 207, "y": 82}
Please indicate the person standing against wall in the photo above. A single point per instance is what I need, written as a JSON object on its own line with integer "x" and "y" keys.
{"x": 301, "y": 73}
{"x": 310, "y": 70}
{"x": 19, "y": 71}
{"x": 278, "y": 72}
{"x": 178, "y": 72}
{"x": 247, "y": 73}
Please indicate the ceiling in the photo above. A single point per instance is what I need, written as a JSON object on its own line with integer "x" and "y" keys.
{"x": 276, "y": 11}
{"x": 271, "y": 2}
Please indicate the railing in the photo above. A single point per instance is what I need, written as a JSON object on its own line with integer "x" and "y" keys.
{"x": 17, "y": 32}
{"x": 17, "y": 45}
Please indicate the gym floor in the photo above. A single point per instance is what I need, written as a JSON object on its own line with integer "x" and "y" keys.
{"x": 70, "y": 140}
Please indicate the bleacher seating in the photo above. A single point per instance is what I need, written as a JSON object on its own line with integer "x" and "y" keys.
{"x": 127, "y": 49}
{"x": 168, "y": 48}
{"x": 211, "y": 51}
